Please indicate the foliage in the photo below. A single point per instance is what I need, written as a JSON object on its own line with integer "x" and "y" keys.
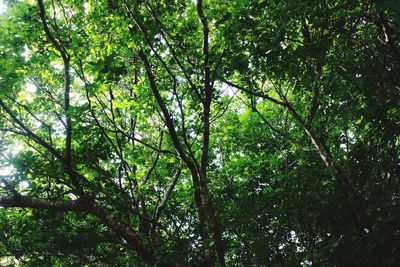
{"x": 200, "y": 133}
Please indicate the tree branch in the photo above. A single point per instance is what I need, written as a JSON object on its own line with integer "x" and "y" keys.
{"x": 241, "y": 88}
{"x": 167, "y": 193}
{"x": 208, "y": 91}
{"x": 167, "y": 116}
{"x": 132, "y": 240}
{"x": 19, "y": 201}
{"x": 31, "y": 134}
{"x": 67, "y": 88}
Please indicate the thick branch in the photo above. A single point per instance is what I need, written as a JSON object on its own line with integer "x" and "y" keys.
{"x": 178, "y": 147}
{"x": 208, "y": 91}
{"x": 19, "y": 201}
{"x": 67, "y": 88}
{"x": 51, "y": 37}
{"x": 167, "y": 117}
{"x": 323, "y": 152}
{"x": 128, "y": 235}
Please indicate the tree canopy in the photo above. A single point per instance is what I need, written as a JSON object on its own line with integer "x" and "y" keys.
{"x": 200, "y": 133}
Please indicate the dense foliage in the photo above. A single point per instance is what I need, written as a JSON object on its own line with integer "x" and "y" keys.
{"x": 200, "y": 133}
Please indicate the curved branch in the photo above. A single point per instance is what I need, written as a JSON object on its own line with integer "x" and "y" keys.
{"x": 132, "y": 239}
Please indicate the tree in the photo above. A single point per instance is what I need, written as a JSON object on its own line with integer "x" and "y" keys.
{"x": 179, "y": 133}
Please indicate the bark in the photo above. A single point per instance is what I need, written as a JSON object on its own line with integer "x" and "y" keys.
{"x": 166, "y": 195}
{"x": 335, "y": 172}
{"x": 338, "y": 176}
{"x": 39, "y": 203}
{"x": 388, "y": 33}
{"x": 132, "y": 239}
{"x": 205, "y": 195}
{"x": 31, "y": 134}
{"x": 179, "y": 149}
{"x": 324, "y": 154}
{"x": 67, "y": 88}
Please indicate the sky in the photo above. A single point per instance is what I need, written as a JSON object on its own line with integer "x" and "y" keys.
{"x": 2, "y": 6}
{"x": 2, "y": 9}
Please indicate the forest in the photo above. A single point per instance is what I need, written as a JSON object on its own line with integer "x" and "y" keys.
{"x": 199, "y": 133}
